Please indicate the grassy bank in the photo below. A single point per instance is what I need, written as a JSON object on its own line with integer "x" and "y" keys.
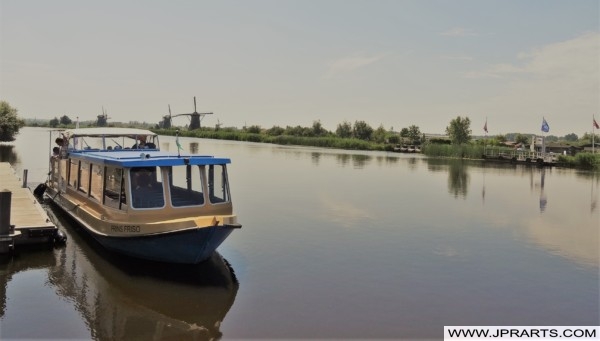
{"x": 581, "y": 161}
{"x": 464, "y": 151}
{"x": 325, "y": 141}
{"x": 587, "y": 161}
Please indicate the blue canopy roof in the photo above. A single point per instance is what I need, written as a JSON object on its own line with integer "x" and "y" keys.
{"x": 140, "y": 158}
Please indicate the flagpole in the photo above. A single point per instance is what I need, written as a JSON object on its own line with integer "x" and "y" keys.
{"x": 177, "y": 143}
{"x": 593, "y": 133}
{"x": 545, "y": 129}
{"x": 485, "y": 129}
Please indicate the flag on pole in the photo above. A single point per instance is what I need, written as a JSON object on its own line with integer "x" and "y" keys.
{"x": 594, "y": 125}
{"x": 485, "y": 126}
{"x": 545, "y": 126}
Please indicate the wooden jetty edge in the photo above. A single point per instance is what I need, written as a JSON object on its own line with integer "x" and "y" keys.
{"x": 27, "y": 221}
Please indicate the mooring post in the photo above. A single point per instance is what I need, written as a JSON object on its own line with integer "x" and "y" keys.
{"x": 24, "y": 178}
{"x": 5, "y": 199}
{"x": 5, "y": 239}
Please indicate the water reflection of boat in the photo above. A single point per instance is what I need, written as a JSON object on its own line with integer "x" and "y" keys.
{"x": 138, "y": 200}
{"x": 122, "y": 298}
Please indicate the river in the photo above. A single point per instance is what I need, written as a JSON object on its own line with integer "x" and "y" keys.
{"x": 334, "y": 244}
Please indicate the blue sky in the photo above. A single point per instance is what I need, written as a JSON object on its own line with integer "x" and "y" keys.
{"x": 282, "y": 62}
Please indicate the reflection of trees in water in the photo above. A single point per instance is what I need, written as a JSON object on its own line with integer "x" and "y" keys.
{"x": 437, "y": 165}
{"x": 458, "y": 179}
{"x": 342, "y": 159}
{"x": 315, "y": 157}
{"x": 386, "y": 160}
{"x": 7, "y": 154}
{"x": 194, "y": 147}
{"x": 412, "y": 163}
{"x": 358, "y": 160}
{"x": 37, "y": 258}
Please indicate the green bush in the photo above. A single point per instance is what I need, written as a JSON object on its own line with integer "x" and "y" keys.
{"x": 466, "y": 151}
{"x": 581, "y": 160}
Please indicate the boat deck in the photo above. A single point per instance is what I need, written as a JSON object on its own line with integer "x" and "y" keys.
{"x": 26, "y": 213}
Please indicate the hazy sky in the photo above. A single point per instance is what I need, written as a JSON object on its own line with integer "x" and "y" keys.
{"x": 281, "y": 62}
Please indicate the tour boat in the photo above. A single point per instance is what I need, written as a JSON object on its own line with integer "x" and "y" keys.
{"x": 139, "y": 201}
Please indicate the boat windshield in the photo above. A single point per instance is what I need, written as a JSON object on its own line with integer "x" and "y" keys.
{"x": 192, "y": 185}
{"x": 188, "y": 185}
{"x": 146, "y": 187}
{"x": 99, "y": 142}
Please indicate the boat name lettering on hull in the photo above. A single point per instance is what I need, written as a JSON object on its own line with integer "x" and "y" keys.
{"x": 125, "y": 228}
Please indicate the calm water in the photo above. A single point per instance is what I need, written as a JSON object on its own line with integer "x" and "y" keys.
{"x": 334, "y": 244}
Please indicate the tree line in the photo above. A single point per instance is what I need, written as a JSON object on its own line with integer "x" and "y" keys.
{"x": 360, "y": 130}
{"x": 458, "y": 131}
{"x": 10, "y": 123}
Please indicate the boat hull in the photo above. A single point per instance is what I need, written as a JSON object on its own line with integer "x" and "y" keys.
{"x": 188, "y": 246}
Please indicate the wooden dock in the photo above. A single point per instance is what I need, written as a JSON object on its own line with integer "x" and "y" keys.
{"x": 31, "y": 223}
{"x": 521, "y": 157}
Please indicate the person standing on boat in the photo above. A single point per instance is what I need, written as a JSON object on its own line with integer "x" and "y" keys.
{"x": 141, "y": 144}
{"x": 62, "y": 145}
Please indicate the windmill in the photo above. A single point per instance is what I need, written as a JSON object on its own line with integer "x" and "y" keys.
{"x": 102, "y": 119}
{"x": 166, "y": 121}
{"x": 195, "y": 117}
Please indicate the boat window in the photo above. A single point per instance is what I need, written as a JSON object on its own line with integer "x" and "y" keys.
{"x": 146, "y": 187}
{"x": 185, "y": 185}
{"x": 114, "y": 195}
{"x": 84, "y": 176}
{"x": 96, "y": 182}
{"x": 73, "y": 173}
{"x": 218, "y": 186}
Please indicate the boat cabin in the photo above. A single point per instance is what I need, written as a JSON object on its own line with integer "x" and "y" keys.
{"x": 126, "y": 173}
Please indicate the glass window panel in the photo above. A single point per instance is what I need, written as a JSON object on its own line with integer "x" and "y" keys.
{"x": 186, "y": 186}
{"x": 114, "y": 196}
{"x": 218, "y": 187}
{"x": 146, "y": 187}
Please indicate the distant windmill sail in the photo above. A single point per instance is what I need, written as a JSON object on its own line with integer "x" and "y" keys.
{"x": 195, "y": 117}
{"x": 166, "y": 122}
{"x": 102, "y": 119}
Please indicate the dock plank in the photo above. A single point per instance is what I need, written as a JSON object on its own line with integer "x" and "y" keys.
{"x": 25, "y": 211}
